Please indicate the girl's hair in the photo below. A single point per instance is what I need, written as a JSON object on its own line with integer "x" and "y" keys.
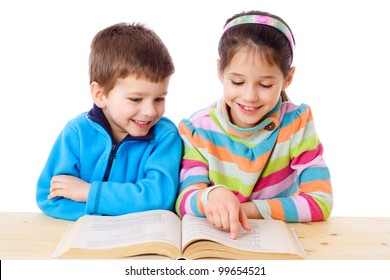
{"x": 268, "y": 41}
{"x": 128, "y": 49}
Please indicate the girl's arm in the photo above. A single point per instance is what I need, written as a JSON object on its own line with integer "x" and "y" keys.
{"x": 194, "y": 177}
{"x": 217, "y": 203}
{"x": 312, "y": 199}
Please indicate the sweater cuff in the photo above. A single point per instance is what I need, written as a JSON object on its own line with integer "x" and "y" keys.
{"x": 263, "y": 208}
{"x": 205, "y": 195}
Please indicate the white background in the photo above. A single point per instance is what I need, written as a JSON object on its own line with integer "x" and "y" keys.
{"x": 342, "y": 71}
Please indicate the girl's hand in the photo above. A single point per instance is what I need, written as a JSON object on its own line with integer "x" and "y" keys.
{"x": 69, "y": 187}
{"x": 224, "y": 210}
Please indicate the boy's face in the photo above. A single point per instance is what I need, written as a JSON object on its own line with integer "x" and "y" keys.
{"x": 133, "y": 106}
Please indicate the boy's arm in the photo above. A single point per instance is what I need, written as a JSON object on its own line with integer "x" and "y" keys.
{"x": 63, "y": 159}
{"x": 70, "y": 187}
{"x": 156, "y": 190}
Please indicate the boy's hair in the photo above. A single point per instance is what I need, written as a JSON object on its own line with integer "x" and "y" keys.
{"x": 128, "y": 49}
{"x": 268, "y": 41}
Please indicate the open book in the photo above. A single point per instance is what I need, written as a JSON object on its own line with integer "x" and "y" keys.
{"x": 162, "y": 233}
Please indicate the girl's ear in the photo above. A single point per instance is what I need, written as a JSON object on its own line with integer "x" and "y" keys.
{"x": 219, "y": 70}
{"x": 289, "y": 78}
{"x": 97, "y": 93}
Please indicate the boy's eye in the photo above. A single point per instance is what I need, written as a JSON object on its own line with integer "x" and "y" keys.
{"x": 160, "y": 99}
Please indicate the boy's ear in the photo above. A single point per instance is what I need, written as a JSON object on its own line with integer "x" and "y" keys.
{"x": 219, "y": 70}
{"x": 97, "y": 93}
{"x": 289, "y": 78}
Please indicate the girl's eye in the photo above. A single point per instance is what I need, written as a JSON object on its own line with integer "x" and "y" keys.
{"x": 135, "y": 99}
{"x": 237, "y": 83}
{"x": 266, "y": 86}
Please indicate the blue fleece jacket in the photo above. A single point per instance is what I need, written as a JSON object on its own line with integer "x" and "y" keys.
{"x": 138, "y": 174}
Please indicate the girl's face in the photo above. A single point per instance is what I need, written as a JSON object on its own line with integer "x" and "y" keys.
{"x": 133, "y": 106}
{"x": 251, "y": 87}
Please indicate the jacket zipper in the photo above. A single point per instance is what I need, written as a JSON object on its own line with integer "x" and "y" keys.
{"x": 110, "y": 161}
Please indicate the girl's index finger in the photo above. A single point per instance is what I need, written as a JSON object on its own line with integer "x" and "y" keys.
{"x": 234, "y": 224}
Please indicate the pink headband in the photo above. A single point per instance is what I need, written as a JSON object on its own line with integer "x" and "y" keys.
{"x": 265, "y": 20}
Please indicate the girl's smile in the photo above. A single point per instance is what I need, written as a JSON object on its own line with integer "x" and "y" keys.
{"x": 248, "y": 109}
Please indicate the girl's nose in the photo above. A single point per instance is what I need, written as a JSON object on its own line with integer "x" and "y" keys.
{"x": 250, "y": 94}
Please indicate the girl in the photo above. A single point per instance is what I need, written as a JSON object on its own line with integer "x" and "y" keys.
{"x": 254, "y": 154}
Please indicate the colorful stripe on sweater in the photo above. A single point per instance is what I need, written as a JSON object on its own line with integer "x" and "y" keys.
{"x": 279, "y": 167}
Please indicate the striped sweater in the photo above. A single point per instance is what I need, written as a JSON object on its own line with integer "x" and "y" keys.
{"x": 278, "y": 164}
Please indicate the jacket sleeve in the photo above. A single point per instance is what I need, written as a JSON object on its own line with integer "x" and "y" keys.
{"x": 313, "y": 200}
{"x": 63, "y": 159}
{"x": 155, "y": 188}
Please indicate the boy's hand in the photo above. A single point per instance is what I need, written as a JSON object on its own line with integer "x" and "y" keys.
{"x": 224, "y": 210}
{"x": 70, "y": 187}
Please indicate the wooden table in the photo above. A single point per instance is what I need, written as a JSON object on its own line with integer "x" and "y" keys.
{"x": 35, "y": 236}
{"x": 346, "y": 238}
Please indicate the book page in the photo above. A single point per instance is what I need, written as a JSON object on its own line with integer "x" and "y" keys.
{"x": 265, "y": 236}
{"x": 100, "y": 232}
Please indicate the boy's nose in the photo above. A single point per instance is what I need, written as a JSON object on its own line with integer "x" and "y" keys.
{"x": 149, "y": 110}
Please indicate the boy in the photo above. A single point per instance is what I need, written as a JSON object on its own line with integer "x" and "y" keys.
{"x": 122, "y": 156}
